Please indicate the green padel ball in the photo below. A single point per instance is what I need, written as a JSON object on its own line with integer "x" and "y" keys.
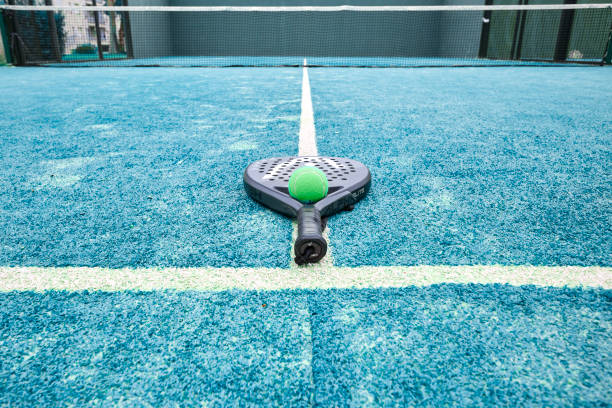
{"x": 308, "y": 184}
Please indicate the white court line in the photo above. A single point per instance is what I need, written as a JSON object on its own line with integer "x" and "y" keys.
{"x": 308, "y": 138}
{"x": 307, "y": 146}
{"x": 218, "y": 279}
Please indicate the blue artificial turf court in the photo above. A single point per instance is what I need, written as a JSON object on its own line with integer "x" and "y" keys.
{"x": 135, "y": 271}
{"x": 141, "y": 170}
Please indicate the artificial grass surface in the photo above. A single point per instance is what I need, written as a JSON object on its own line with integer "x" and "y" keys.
{"x": 142, "y": 168}
{"x": 129, "y": 167}
{"x": 122, "y": 171}
{"x": 441, "y": 345}
{"x": 472, "y": 166}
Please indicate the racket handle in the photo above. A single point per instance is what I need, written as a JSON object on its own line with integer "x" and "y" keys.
{"x": 310, "y": 246}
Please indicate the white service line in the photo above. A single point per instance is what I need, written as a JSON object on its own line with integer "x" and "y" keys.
{"x": 73, "y": 279}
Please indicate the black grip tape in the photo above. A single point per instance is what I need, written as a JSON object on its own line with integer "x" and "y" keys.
{"x": 310, "y": 245}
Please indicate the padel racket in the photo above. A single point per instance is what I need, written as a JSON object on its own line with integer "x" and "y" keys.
{"x": 266, "y": 181}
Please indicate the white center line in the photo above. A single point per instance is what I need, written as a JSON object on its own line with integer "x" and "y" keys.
{"x": 307, "y": 146}
{"x": 308, "y": 139}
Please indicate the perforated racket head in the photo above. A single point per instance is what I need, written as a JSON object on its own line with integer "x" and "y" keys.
{"x": 266, "y": 181}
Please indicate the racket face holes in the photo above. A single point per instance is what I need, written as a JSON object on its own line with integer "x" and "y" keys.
{"x": 277, "y": 171}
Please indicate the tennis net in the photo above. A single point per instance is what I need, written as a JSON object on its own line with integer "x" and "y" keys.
{"x": 362, "y": 36}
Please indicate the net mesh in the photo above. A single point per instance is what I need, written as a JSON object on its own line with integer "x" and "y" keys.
{"x": 397, "y": 36}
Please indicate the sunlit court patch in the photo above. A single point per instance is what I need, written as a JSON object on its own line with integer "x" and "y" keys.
{"x": 118, "y": 168}
{"x": 471, "y": 166}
